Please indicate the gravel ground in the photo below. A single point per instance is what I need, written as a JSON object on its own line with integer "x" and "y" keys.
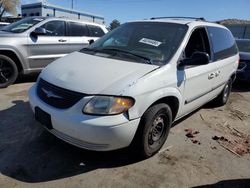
{"x": 31, "y": 157}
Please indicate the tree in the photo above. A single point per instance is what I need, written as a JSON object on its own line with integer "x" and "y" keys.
{"x": 8, "y": 6}
{"x": 114, "y": 24}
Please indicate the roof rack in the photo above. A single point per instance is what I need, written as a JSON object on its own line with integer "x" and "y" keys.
{"x": 178, "y": 17}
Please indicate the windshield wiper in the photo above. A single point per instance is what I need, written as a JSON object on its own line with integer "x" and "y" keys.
{"x": 127, "y": 52}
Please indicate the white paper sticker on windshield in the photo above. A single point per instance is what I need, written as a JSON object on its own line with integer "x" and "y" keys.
{"x": 150, "y": 42}
{"x": 38, "y": 19}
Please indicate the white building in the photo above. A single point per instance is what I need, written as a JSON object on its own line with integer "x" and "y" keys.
{"x": 45, "y": 9}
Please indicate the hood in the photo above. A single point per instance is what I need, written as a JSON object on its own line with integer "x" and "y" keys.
{"x": 93, "y": 74}
{"x": 8, "y": 34}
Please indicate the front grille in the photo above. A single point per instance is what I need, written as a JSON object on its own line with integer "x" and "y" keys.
{"x": 56, "y": 96}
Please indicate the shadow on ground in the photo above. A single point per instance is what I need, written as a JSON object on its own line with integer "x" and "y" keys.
{"x": 27, "y": 78}
{"x": 240, "y": 86}
{"x": 30, "y": 154}
{"x": 238, "y": 183}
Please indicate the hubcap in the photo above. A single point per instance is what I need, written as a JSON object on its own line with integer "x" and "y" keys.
{"x": 156, "y": 130}
{"x": 6, "y": 71}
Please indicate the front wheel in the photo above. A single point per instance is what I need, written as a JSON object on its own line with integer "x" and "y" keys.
{"x": 154, "y": 129}
{"x": 8, "y": 71}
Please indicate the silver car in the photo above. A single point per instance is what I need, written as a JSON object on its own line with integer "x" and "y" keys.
{"x": 30, "y": 44}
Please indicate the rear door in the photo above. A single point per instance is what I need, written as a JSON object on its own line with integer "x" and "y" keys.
{"x": 78, "y": 34}
{"x": 95, "y": 32}
{"x": 225, "y": 57}
{"x": 44, "y": 49}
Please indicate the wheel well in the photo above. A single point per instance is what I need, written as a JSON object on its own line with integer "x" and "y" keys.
{"x": 14, "y": 57}
{"x": 173, "y": 103}
{"x": 233, "y": 76}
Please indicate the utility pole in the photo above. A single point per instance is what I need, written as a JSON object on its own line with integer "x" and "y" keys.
{"x": 72, "y": 4}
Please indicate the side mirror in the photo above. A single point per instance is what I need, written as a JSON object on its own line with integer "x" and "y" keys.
{"x": 91, "y": 41}
{"x": 39, "y": 31}
{"x": 197, "y": 58}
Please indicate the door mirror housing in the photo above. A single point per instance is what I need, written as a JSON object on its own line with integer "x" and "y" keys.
{"x": 197, "y": 58}
{"x": 39, "y": 31}
{"x": 91, "y": 41}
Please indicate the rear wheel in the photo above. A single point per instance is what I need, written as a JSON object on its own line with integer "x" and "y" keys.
{"x": 154, "y": 129}
{"x": 224, "y": 95}
{"x": 8, "y": 71}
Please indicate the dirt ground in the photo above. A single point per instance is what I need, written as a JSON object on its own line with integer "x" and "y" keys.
{"x": 31, "y": 157}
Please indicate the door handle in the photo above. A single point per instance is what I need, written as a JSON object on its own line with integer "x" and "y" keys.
{"x": 217, "y": 73}
{"x": 62, "y": 40}
{"x": 211, "y": 76}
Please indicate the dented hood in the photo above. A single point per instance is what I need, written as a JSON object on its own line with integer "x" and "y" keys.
{"x": 93, "y": 74}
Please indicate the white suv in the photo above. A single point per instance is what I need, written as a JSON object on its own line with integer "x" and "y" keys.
{"x": 128, "y": 87}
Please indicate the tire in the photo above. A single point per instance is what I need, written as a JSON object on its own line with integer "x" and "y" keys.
{"x": 153, "y": 130}
{"x": 8, "y": 71}
{"x": 224, "y": 95}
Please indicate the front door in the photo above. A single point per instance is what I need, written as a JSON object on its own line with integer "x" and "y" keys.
{"x": 44, "y": 49}
{"x": 198, "y": 78}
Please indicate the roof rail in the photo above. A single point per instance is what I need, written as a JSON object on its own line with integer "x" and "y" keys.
{"x": 179, "y": 17}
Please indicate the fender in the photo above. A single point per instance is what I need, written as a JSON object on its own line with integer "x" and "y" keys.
{"x": 143, "y": 102}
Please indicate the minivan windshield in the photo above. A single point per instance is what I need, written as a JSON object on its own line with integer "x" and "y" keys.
{"x": 22, "y": 25}
{"x": 144, "y": 42}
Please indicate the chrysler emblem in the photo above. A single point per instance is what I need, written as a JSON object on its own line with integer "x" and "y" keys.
{"x": 50, "y": 94}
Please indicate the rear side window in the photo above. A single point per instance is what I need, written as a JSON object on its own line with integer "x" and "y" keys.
{"x": 223, "y": 43}
{"x": 95, "y": 31}
{"x": 77, "y": 29}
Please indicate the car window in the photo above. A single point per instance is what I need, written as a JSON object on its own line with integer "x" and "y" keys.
{"x": 198, "y": 42}
{"x": 247, "y": 32}
{"x": 243, "y": 45}
{"x": 156, "y": 41}
{"x": 77, "y": 29}
{"x": 22, "y": 25}
{"x": 54, "y": 28}
{"x": 237, "y": 30}
{"x": 223, "y": 43}
{"x": 95, "y": 31}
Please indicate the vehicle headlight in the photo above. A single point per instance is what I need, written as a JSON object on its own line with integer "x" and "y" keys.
{"x": 108, "y": 105}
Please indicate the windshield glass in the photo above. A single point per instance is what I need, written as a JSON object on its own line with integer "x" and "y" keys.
{"x": 243, "y": 45}
{"x": 22, "y": 25}
{"x": 154, "y": 41}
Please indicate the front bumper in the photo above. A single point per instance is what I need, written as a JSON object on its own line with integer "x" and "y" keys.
{"x": 99, "y": 133}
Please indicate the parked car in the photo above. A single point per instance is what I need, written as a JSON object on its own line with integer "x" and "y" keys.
{"x": 30, "y": 44}
{"x": 243, "y": 72}
{"x": 3, "y": 24}
{"x": 127, "y": 88}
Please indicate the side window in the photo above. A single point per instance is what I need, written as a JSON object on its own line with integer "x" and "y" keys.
{"x": 197, "y": 42}
{"x": 95, "y": 31}
{"x": 247, "y": 32}
{"x": 237, "y": 30}
{"x": 75, "y": 29}
{"x": 54, "y": 28}
{"x": 223, "y": 43}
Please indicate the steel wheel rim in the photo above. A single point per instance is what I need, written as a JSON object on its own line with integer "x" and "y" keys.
{"x": 226, "y": 92}
{"x": 6, "y": 71}
{"x": 157, "y": 130}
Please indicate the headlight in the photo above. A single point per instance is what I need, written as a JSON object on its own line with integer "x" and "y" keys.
{"x": 108, "y": 105}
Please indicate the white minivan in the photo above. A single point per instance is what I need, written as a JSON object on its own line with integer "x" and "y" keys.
{"x": 127, "y": 88}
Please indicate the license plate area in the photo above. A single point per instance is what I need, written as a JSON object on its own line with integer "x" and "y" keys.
{"x": 43, "y": 117}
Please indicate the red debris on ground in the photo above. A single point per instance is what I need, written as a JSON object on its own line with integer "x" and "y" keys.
{"x": 239, "y": 147}
{"x": 190, "y": 133}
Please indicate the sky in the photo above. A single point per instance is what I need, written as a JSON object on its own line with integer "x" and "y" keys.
{"x": 127, "y": 10}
